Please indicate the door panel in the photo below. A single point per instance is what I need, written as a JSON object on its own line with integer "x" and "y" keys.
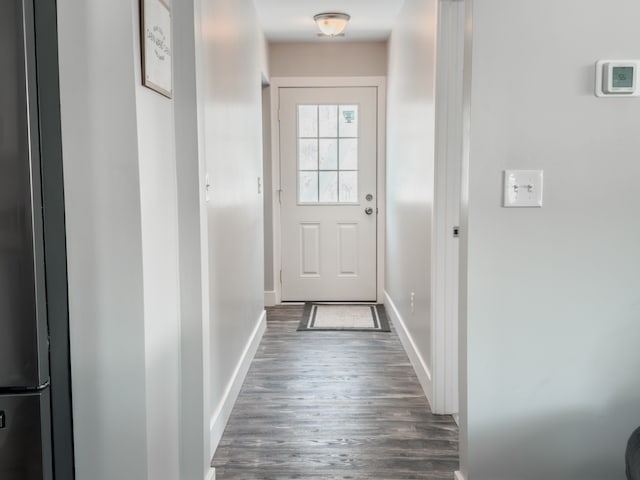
{"x": 328, "y": 149}
{"x": 310, "y": 249}
{"x": 25, "y": 437}
{"x": 348, "y": 249}
{"x": 22, "y": 313}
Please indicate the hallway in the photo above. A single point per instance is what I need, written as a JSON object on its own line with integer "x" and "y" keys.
{"x": 521, "y": 321}
{"x": 333, "y": 405}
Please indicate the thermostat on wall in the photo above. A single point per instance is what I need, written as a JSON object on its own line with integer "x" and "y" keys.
{"x": 617, "y": 78}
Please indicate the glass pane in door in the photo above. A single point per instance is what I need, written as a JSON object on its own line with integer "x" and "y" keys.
{"x": 327, "y": 154}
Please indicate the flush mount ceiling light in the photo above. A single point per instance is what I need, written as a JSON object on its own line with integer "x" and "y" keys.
{"x": 331, "y": 24}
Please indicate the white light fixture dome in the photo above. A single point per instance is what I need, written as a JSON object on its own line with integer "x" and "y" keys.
{"x": 331, "y": 24}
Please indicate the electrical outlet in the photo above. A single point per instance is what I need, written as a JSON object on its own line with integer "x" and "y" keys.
{"x": 413, "y": 305}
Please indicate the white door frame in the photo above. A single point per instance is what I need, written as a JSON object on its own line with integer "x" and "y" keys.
{"x": 448, "y": 184}
{"x": 310, "y": 82}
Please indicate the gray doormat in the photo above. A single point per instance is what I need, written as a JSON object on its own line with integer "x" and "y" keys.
{"x": 344, "y": 317}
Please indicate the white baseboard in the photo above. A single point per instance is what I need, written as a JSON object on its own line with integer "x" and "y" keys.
{"x": 221, "y": 416}
{"x": 459, "y": 475}
{"x": 419, "y": 365}
{"x": 270, "y": 299}
{"x": 211, "y": 474}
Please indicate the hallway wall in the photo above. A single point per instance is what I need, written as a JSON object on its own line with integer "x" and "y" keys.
{"x": 553, "y": 302}
{"x": 410, "y": 177}
{"x": 124, "y": 234}
{"x": 159, "y": 222}
{"x": 331, "y": 59}
{"x": 119, "y": 169}
{"x": 233, "y": 61}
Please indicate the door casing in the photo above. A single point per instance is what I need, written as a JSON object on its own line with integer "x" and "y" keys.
{"x": 275, "y": 297}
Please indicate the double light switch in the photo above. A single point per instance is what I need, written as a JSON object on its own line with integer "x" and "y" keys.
{"x": 523, "y": 188}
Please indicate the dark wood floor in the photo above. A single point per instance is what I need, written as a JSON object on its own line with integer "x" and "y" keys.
{"x": 329, "y": 405}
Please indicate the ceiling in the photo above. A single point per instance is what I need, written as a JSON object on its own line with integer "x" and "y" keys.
{"x": 292, "y": 20}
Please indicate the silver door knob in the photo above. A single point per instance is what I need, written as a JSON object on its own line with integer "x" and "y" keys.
{"x": 368, "y": 210}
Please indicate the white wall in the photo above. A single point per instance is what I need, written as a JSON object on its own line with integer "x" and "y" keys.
{"x": 194, "y": 305}
{"x": 152, "y": 391}
{"x": 553, "y": 301}
{"x": 233, "y": 58}
{"x": 331, "y": 59}
{"x": 159, "y": 222}
{"x": 410, "y": 176}
{"x": 131, "y": 417}
{"x": 122, "y": 226}
{"x": 104, "y": 238}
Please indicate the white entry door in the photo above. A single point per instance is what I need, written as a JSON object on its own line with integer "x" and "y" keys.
{"x": 328, "y": 155}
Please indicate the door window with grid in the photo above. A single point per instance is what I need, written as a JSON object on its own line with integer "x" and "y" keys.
{"x": 327, "y": 154}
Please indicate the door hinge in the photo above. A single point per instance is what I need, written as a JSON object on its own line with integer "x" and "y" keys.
{"x": 456, "y": 232}
{"x": 278, "y": 114}
{"x": 280, "y": 277}
{"x": 280, "y": 196}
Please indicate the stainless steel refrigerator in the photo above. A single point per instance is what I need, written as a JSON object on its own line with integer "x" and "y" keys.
{"x": 29, "y": 138}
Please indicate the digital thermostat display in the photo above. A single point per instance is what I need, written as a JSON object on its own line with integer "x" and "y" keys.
{"x": 622, "y": 77}
{"x": 617, "y": 78}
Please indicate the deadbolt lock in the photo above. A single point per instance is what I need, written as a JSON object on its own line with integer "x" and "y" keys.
{"x": 369, "y": 197}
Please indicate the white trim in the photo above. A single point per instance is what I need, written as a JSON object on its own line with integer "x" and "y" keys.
{"x": 459, "y": 476}
{"x": 419, "y": 365}
{"x": 310, "y": 82}
{"x": 193, "y": 275}
{"x": 211, "y": 474}
{"x": 446, "y": 214}
{"x": 205, "y": 325}
{"x": 275, "y": 188}
{"x": 223, "y": 411}
{"x": 340, "y": 303}
{"x": 270, "y": 298}
{"x": 463, "y": 431}
{"x": 382, "y": 185}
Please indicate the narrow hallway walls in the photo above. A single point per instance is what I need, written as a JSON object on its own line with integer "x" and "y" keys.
{"x": 119, "y": 170}
{"x": 410, "y": 179}
{"x": 233, "y": 62}
{"x": 124, "y": 225}
{"x": 159, "y": 216}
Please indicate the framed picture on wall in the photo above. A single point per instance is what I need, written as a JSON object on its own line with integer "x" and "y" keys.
{"x": 155, "y": 26}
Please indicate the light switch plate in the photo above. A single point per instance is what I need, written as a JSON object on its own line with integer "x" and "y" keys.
{"x": 523, "y": 188}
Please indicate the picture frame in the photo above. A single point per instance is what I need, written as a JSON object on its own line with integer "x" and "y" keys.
{"x": 157, "y": 47}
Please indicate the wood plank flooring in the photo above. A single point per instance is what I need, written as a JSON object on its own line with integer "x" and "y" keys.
{"x": 333, "y": 405}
